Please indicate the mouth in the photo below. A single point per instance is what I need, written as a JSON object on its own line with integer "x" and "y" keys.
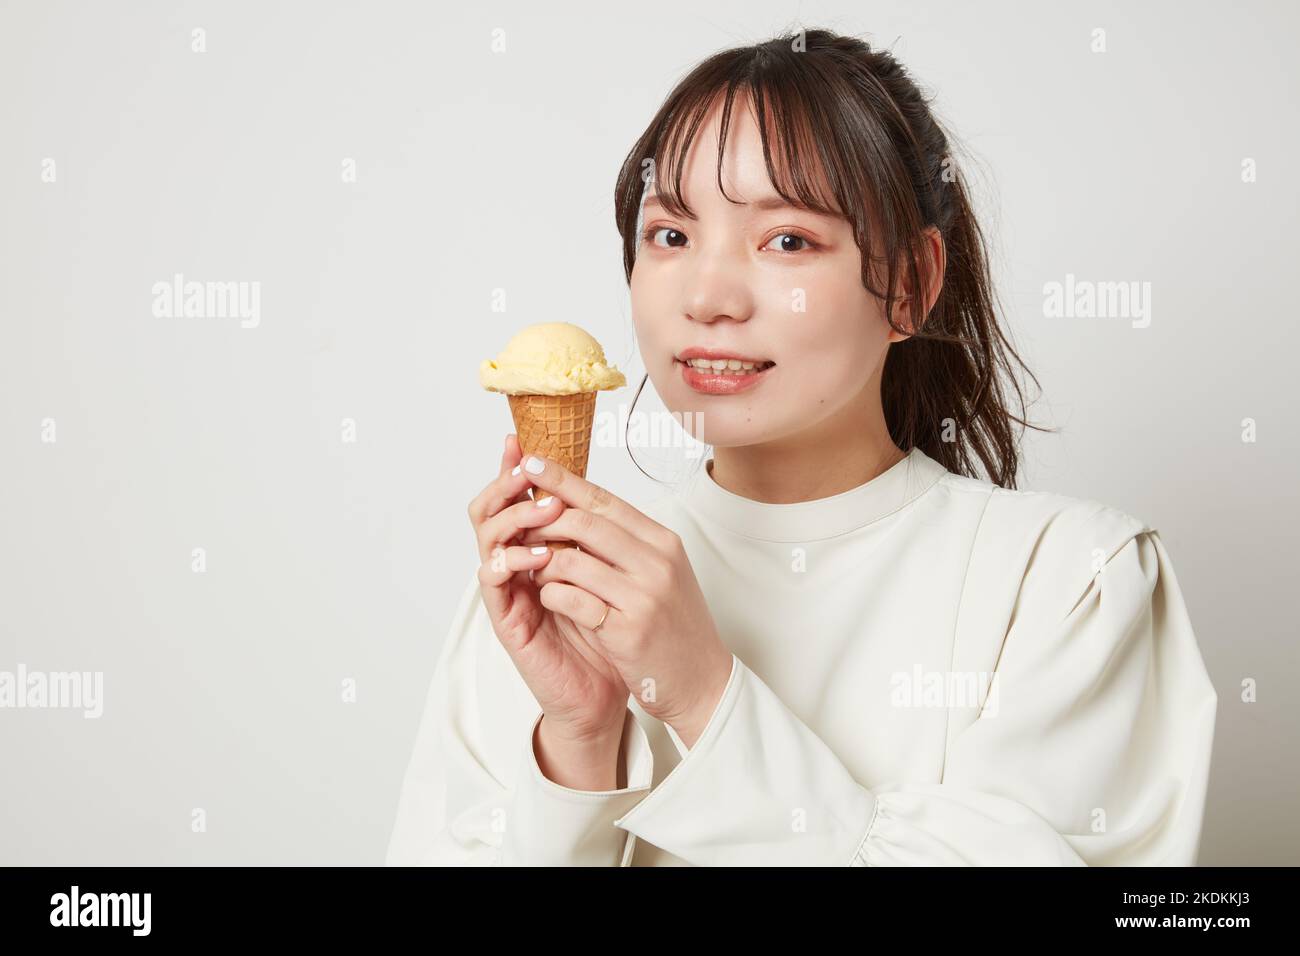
{"x": 718, "y": 373}
{"x": 728, "y": 366}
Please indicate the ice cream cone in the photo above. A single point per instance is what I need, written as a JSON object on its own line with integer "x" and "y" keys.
{"x": 557, "y": 427}
{"x": 551, "y": 373}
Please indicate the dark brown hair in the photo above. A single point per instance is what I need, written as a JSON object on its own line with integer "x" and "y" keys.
{"x": 850, "y": 117}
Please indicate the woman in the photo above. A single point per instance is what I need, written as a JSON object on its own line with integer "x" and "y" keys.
{"x": 835, "y": 646}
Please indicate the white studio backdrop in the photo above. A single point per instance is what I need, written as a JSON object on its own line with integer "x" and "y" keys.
{"x": 252, "y": 524}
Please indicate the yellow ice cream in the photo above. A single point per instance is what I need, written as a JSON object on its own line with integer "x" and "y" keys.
{"x": 553, "y": 358}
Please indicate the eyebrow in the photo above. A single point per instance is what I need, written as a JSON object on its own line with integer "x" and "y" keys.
{"x": 766, "y": 204}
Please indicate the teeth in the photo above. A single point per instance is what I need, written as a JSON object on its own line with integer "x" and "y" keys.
{"x": 727, "y": 366}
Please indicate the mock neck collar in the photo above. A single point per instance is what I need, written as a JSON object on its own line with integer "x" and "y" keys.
{"x": 819, "y": 518}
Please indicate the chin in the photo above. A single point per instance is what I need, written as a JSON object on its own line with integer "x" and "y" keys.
{"x": 724, "y": 429}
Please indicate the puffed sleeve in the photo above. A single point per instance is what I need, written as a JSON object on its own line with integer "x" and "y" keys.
{"x": 473, "y": 794}
{"x": 1097, "y": 752}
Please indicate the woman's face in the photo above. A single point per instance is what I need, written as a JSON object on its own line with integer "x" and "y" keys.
{"x": 763, "y": 282}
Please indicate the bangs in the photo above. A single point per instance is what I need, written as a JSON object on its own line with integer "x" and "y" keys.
{"x": 797, "y": 165}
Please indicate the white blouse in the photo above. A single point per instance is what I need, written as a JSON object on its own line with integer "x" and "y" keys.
{"x": 927, "y": 669}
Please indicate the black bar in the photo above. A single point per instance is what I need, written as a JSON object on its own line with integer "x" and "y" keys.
{"x": 442, "y": 906}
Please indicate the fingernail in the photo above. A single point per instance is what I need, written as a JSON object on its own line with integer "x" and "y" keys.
{"x": 534, "y": 465}
{"x": 514, "y": 470}
{"x": 543, "y": 502}
{"x": 541, "y": 549}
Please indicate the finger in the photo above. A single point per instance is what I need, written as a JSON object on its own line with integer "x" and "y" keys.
{"x": 514, "y": 459}
{"x": 590, "y": 573}
{"x": 575, "y": 603}
{"x": 506, "y": 525}
{"x": 503, "y": 564}
{"x": 577, "y": 492}
{"x": 509, "y": 485}
{"x": 598, "y": 535}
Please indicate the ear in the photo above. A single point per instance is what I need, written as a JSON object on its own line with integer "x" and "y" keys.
{"x": 912, "y": 309}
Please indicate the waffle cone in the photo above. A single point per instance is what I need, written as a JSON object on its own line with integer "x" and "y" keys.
{"x": 556, "y": 427}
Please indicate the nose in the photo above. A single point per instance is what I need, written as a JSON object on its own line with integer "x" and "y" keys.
{"x": 717, "y": 288}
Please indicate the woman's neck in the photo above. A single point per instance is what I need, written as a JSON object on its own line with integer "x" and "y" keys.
{"x": 836, "y": 455}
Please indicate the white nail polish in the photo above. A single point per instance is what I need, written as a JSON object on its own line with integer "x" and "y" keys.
{"x": 541, "y": 549}
{"x": 515, "y": 470}
{"x": 543, "y": 502}
{"x": 534, "y": 465}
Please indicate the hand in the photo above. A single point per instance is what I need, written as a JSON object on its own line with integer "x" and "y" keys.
{"x": 580, "y": 692}
{"x": 658, "y": 633}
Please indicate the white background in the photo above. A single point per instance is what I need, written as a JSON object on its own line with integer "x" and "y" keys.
{"x": 481, "y": 170}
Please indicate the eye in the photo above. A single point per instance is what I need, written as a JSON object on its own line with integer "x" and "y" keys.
{"x": 674, "y": 238}
{"x": 789, "y": 242}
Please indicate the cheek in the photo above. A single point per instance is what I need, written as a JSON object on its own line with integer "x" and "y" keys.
{"x": 839, "y": 338}
{"x": 828, "y": 378}
{"x": 647, "y": 317}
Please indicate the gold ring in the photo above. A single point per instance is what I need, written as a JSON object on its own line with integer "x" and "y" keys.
{"x": 602, "y": 618}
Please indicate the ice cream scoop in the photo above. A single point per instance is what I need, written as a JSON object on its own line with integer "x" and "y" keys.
{"x": 551, "y": 373}
{"x": 552, "y": 358}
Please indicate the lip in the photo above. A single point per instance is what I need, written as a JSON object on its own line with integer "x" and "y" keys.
{"x": 693, "y": 353}
{"x": 715, "y": 383}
